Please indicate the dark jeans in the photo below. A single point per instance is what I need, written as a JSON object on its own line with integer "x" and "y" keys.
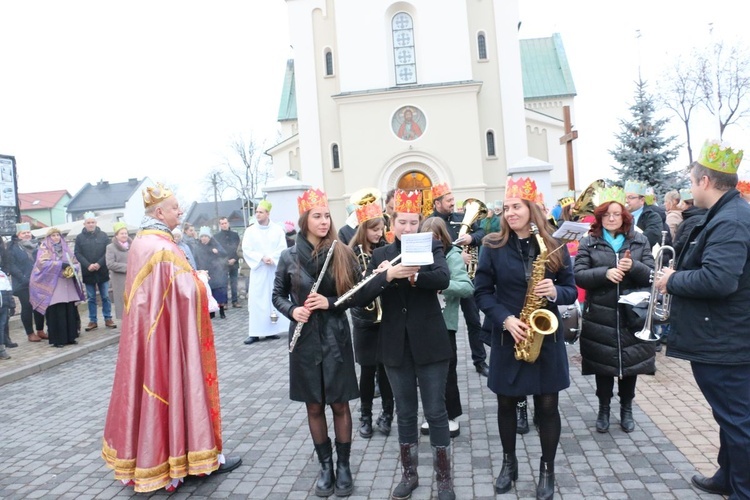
{"x": 474, "y": 329}
{"x": 367, "y": 388}
{"x": 233, "y": 272}
{"x": 452, "y": 394}
{"x": 727, "y": 390}
{"x": 431, "y": 379}
{"x": 625, "y": 387}
{"x": 27, "y": 312}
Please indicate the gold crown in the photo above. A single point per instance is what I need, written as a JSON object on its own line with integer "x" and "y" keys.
{"x": 406, "y": 202}
{"x": 156, "y": 194}
{"x": 720, "y": 157}
{"x": 564, "y": 202}
{"x": 439, "y": 190}
{"x": 369, "y": 211}
{"x": 310, "y": 199}
{"x": 524, "y": 188}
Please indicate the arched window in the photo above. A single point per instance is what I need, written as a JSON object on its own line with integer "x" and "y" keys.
{"x": 329, "y": 62}
{"x": 491, "y": 143}
{"x": 404, "y": 56}
{"x": 482, "y": 47}
{"x": 336, "y": 164}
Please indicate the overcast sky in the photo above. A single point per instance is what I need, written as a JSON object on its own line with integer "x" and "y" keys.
{"x": 96, "y": 90}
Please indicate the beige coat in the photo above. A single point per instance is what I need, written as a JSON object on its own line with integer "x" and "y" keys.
{"x": 117, "y": 263}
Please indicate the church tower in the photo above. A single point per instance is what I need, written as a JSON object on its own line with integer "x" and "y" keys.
{"x": 414, "y": 93}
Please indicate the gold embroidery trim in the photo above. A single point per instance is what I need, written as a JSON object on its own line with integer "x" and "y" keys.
{"x": 162, "y": 256}
{"x": 154, "y": 395}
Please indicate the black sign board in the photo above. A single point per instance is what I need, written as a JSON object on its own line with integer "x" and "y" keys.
{"x": 10, "y": 213}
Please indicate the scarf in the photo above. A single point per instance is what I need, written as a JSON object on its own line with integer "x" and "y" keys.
{"x": 149, "y": 222}
{"x": 615, "y": 242}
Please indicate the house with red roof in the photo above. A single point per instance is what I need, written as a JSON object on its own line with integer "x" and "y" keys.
{"x": 45, "y": 208}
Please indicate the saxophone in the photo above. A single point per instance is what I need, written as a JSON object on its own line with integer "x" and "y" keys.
{"x": 541, "y": 321}
{"x": 364, "y": 260}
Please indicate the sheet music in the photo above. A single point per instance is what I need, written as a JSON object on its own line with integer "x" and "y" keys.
{"x": 570, "y": 231}
{"x": 416, "y": 249}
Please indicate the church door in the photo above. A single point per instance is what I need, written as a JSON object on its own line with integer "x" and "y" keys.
{"x": 415, "y": 180}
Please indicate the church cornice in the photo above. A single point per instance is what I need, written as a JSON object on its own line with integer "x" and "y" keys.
{"x": 428, "y": 89}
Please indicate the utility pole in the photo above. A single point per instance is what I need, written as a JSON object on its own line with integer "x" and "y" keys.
{"x": 215, "y": 182}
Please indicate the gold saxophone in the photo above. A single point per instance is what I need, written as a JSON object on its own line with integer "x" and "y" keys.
{"x": 541, "y": 321}
{"x": 374, "y": 305}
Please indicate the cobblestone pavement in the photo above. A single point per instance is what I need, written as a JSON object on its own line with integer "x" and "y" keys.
{"x": 53, "y": 414}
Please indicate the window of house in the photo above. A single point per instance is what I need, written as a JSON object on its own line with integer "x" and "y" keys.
{"x": 491, "y": 143}
{"x": 336, "y": 164}
{"x": 329, "y": 62}
{"x": 482, "y": 47}
{"x": 404, "y": 56}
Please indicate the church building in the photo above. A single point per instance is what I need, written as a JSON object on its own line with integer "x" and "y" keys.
{"x": 414, "y": 93}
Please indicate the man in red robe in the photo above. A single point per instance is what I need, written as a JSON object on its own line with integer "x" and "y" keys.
{"x": 164, "y": 419}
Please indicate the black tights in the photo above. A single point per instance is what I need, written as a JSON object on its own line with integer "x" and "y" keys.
{"x": 342, "y": 422}
{"x": 548, "y": 415}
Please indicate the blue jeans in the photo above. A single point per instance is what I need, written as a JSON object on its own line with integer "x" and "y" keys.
{"x": 106, "y": 304}
{"x": 431, "y": 378}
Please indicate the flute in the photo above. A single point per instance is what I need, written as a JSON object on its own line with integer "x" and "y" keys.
{"x": 362, "y": 283}
{"x": 298, "y": 328}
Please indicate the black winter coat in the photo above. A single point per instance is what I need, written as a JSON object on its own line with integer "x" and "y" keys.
{"x": 606, "y": 347}
{"x": 652, "y": 225}
{"x": 214, "y": 263}
{"x": 365, "y": 329}
{"x": 230, "y": 242}
{"x": 322, "y": 362}
{"x": 453, "y": 221}
{"x": 711, "y": 288}
{"x": 91, "y": 248}
{"x": 19, "y": 266}
{"x": 691, "y": 217}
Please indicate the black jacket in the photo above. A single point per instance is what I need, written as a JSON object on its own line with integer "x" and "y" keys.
{"x": 410, "y": 313}
{"x": 346, "y": 233}
{"x": 606, "y": 347}
{"x": 91, "y": 248}
{"x": 230, "y": 242}
{"x": 214, "y": 263}
{"x": 652, "y": 225}
{"x": 19, "y": 265}
{"x": 711, "y": 288}
{"x": 453, "y": 221}
{"x": 691, "y": 216}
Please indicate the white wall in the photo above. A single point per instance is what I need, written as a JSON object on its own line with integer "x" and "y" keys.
{"x": 133, "y": 213}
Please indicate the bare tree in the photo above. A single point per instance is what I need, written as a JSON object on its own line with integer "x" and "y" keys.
{"x": 246, "y": 177}
{"x": 726, "y": 84}
{"x": 682, "y": 93}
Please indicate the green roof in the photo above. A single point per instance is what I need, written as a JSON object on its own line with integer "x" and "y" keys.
{"x": 545, "y": 69}
{"x": 288, "y": 106}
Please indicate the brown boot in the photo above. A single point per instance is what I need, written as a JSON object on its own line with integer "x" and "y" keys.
{"x": 42, "y": 335}
{"x": 33, "y": 337}
{"x": 91, "y": 326}
{"x": 109, "y": 323}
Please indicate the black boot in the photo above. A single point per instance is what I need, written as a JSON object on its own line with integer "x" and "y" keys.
{"x": 522, "y": 417}
{"x": 626, "y": 416}
{"x": 602, "y": 420}
{"x": 221, "y": 313}
{"x": 508, "y": 474}
{"x": 409, "y": 477}
{"x": 324, "y": 484}
{"x": 545, "y": 490}
{"x": 365, "y": 422}
{"x": 385, "y": 419}
{"x": 344, "y": 482}
{"x": 441, "y": 463}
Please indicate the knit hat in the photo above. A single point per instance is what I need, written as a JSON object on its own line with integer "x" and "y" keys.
{"x": 23, "y": 226}
{"x": 205, "y": 231}
{"x": 117, "y": 226}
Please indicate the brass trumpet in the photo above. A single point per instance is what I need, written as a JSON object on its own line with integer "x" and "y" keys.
{"x": 657, "y": 312}
{"x": 474, "y": 211}
{"x": 374, "y": 305}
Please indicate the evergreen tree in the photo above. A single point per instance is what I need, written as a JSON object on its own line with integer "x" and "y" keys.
{"x": 643, "y": 153}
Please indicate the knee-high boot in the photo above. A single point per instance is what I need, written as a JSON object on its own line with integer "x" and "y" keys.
{"x": 344, "y": 481}
{"x": 508, "y": 474}
{"x": 409, "y": 477}
{"x": 602, "y": 420}
{"x": 522, "y": 417}
{"x": 324, "y": 484}
{"x": 626, "y": 415}
{"x": 545, "y": 490}
{"x": 441, "y": 462}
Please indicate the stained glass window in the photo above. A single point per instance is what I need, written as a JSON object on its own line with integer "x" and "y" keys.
{"x": 404, "y": 56}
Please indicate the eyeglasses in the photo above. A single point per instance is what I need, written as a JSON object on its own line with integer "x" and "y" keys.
{"x": 613, "y": 216}
{"x": 632, "y": 197}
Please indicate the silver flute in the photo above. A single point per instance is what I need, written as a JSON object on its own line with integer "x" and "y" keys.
{"x": 362, "y": 283}
{"x": 298, "y": 328}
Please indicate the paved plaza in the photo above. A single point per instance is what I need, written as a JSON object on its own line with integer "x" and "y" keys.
{"x": 54, "y": 403}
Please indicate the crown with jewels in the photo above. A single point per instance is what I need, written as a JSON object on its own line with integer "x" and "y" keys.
{"x": 612, "y": 193}
{"x": 368, "y": 212}
{"x": 407, "y": 202}
{"x": 524, "y": 188}
{"x": 439, "y": 190}
{"x": 686, "y": 195}
{"x": 720, "y": 157}
{"x": 743, "y": 187}
{"x": 154, "y": 195}
{"x": 312, "y": 198}
{"x": 636, "y": 187}
{"x": 568, "y": 199}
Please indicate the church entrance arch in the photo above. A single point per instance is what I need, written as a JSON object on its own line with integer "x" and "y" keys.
{"x": 416, "y": 180}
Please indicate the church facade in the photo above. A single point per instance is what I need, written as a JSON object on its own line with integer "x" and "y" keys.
{"x": 410, "y": 94}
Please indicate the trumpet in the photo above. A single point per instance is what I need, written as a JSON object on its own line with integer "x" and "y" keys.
{"x": 474, "y": 211}
{"x": 657, "y": 312}
{"x": 362, "y": 283}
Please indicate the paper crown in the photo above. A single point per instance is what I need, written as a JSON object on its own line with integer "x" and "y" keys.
{"x": 265, "y": 205}
{"x": 439, "y": 190}
{"x": 720, "y": 157}
{"x": 636, "y": 187}
{"x": 369, "y": 211}
{"x": 23, "y": 226}
{"x": 743, "y": 187}
{"x": 524, "y": 188}
{"x": 89, "y": 215}
{"x": 312, "y": 198}
{"x": 154, "y": 195}
{"x": 568, "y": 199}
{"x": 407, "y": 202}
{"x": 686, "y": 195}
{"x": 539, "y": 199}
{"x": 612, "y": 193}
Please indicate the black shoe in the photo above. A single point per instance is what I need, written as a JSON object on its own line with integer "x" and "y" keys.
{"x": 324, "y": 484}
{"x": 522, "y": 418}
{"x": 11, "y": 345}
{"x": 250, "y": 340}
{"x": 229, "y": 465}
{"x": 626, "y": 416}
{"x": 545, "y": 490}
{"x": 508, "y": 474}
{"x": 273, "y": 337}
{"x": 384, "y": 422}
{"x": 708, "y": 485}
{"x": 602, "y": 419}
{"x": 482, "y": 369}
{"x": 365, "y": 425}
{"x": 344, "y": 483}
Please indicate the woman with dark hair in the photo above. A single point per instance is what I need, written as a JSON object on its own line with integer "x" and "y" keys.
{"x": 613, "y": 260}
{"x": 507, "y": 266}
{"x": 321, "y": 365}
{"x": 460, "y": 287}
{"x": 366, "y": 323}
{"x": 55, "y": 288}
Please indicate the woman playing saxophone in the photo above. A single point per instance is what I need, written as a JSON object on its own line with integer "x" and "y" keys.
{"x": 506, "y": 264}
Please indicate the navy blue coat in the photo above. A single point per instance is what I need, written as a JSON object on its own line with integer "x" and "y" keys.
{"x": 500, "y": 291}
{"x": 19, "y": 266}
{"x": 710, "y": 313}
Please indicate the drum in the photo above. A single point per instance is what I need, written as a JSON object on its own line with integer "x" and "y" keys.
{"x": 572, "y": 320}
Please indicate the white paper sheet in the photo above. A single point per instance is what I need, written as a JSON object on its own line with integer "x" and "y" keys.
{"x": 570, "y": 230}
{"x": 416, "y": 249}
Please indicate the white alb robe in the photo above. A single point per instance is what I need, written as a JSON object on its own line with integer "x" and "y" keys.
{"x": 258, "y": 241}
